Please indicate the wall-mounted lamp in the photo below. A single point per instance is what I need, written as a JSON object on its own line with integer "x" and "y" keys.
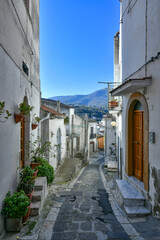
{"x": 52, "y": 134}
{"x": 113, "y": 123}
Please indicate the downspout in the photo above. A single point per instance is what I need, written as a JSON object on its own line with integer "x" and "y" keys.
{"x": 43, "y": 119}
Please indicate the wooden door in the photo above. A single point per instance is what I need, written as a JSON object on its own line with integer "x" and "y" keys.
{"x": 22, "y": 143}
{"x": 138, "y": 130}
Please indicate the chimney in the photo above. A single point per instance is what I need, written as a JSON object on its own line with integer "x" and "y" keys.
{"x": 58, "y": 106}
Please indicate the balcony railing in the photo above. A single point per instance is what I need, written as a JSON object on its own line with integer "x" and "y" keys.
{"x": 92, "y": 135}
{"x": 114, "y": 103}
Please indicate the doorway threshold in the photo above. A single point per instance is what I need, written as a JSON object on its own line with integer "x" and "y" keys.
{"x": 138, "y": 185}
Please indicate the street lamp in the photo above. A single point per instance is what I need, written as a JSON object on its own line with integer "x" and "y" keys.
{"x": 113, "y": 123}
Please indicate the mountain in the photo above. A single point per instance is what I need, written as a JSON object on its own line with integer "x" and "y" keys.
{"x": 98, "y": 99}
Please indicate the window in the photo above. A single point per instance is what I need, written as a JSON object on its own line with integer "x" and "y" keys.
{"x": 25, "y": 68}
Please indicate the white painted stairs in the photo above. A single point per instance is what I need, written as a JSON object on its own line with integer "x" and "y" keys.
{"x": 40, "y": 192}
{"x": 130, "y": 199}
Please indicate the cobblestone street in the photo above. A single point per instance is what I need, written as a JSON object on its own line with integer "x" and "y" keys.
{"x": 86, "y": 213}
{"x": 86, "y": 209}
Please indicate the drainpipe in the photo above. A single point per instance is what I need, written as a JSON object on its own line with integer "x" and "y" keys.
{"x": 43, "y": 119}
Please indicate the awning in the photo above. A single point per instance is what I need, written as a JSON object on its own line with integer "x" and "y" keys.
{"x": 131, "y": 85}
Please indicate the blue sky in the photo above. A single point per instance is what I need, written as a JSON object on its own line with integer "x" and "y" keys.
{"x": 76, "y": 45}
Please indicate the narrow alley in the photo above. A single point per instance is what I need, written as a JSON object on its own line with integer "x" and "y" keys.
{"x": 86, "y": 213}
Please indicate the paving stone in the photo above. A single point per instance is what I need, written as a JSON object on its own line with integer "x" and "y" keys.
{"x": 122, "y": 219}
{"x": 144, "y": 227}
{"x": 80, "y": 217}
{"x": 85, "y": 207}
{"x": 73, "y": 226}
{"x": 87, "y": 236}
{"x": 137, "y": 220}
{"x": 152, "y": 235}
{"x": 64, "y": 236}
{"x": 130, "y": 230}
{"x": 101, "y": 227}
{"x": 97, "y": 208}
{"x": 86, "y": 226}
{"x": 117, "y": 236}
{"x": 60, "y": 226}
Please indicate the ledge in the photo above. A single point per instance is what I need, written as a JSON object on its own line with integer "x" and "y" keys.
{"x": 131, "y": 85}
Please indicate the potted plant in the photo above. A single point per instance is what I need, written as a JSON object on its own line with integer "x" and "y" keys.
{"x": 38, "y": 152}
{"x": 15, "y": 206}
{"x": 36, "y": 121}
{"x": 46, "y": 170}
{"x": 27, "y": 181}
{"x": 113, "y": 103}
{"x": 23, "y": 110}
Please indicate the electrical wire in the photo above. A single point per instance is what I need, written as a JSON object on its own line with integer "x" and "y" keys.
{"x": 128, "y": 8}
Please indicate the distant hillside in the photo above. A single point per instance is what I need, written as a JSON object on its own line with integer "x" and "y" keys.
{"x": 98, "y": 99}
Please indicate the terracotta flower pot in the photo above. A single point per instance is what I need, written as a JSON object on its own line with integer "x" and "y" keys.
{"x": 34, "y": 126}
{"x": 113, "y": 104}
{"x": 29, "y": 195}
{"x": 34, "y": 164}
{"x": 35, "y": 173}
{"x": 18, "y": 117}
{"x": 25, "y": 218}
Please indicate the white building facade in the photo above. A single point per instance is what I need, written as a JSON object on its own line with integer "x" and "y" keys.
{"x": 140, "y": 90}
{"x": 19, "y": 78}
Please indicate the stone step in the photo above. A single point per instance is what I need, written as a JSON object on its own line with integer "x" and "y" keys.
{"x": 37, "y": 196}
{"x": 39, "y": 184}
{"x": 35, "y": 208}
{"x": 131, "y": 197}
{"x": 136, "y": 211}
{"x": 38, "y": 187}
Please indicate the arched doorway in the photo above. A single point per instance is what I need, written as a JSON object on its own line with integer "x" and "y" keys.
{"x": 59, "y": 146}
{"x": 136, "y": 139}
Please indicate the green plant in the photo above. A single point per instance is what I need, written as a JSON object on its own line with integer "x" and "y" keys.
{"x": 46, "y": 170}
{"x": 27, "y": 180}
{"x": 36, "y": 119}
{"x": 31, "y": 227}
{"x": 15, "y": 205}
{"x": 25, "y": 109}
{"x": 66, "y": 120}
{"x": 39, "y": 151}
{"x": 4, "y": 112}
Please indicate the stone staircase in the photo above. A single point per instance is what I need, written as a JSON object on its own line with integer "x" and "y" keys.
{"x": 40, "y": 192}
{"x": 132, "y": 201}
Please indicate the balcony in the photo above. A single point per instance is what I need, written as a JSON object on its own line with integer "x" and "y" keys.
{"x": 114, "y": 103}
{"x": 92, "y": 135}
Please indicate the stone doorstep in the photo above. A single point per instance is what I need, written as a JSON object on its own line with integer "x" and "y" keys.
{"x": 127, "y": 191}
{"x": 135, "y": 211}
{"x": 36, "y": 208}
{"x": 37, "y": 196}
{"x": 133, "y": 201}
{"x": 39, "y": 183}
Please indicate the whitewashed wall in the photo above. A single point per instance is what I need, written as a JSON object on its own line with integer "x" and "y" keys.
{"x": 54, "y": 125}
{"x": 140, "y": 43}
{"x": 15, "y": 85}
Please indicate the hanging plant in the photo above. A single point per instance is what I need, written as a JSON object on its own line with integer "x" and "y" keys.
{"x": 36, "y": 121}
{"x": 4, "y": 113}
{"x": 25, "y": 109}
